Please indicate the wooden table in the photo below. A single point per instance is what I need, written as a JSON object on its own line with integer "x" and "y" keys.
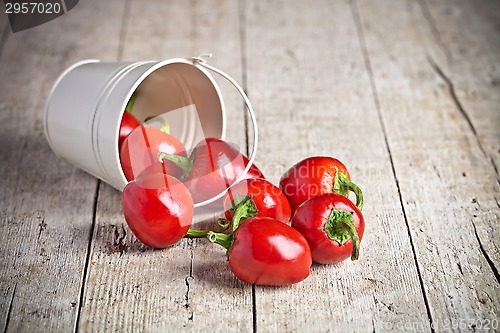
{"x": 406, "y": 93}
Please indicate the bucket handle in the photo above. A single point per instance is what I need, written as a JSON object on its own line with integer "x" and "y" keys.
{"x": 201, "y": 61}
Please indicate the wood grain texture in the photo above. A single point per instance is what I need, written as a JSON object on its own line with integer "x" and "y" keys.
{"x": 47, "y": 205}
{"x": 314, "y": 98}
{"x": 189, "y": 286}
{"x": 406, "y": 93}
{"x": 463, "y": 40}
{"x": 471, "y": 74}
{"x": 446, "y": 180}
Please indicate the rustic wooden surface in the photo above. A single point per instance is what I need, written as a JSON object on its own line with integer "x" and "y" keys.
{"x": 406, "y": 93}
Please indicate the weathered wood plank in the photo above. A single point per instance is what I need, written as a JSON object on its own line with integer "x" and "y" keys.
{"x": 464, "y": 42}
{"x": 393, "y": 71}
{"x": 447, "y": 182}
{"x": 312, "y": 91}
{"x": 188, "y": 286}
{"x": 47, "y": 205}
{"x": 469, "y": 35}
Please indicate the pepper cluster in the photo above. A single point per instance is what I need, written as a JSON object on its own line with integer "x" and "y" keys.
{"x": 272, "y": 233}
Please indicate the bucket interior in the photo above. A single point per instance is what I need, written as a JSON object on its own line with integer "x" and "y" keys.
{"x": 181, "y": 104}
{"x": 186, "y": 98}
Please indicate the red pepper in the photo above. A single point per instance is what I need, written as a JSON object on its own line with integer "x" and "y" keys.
{"x": 265, "y": 251}
{"x": 141, "y": 148}
{"x": 266, "y": 200}
{"x": 315, "y": 176}
{"x": 333, "y": 227}
{"x": 213, "y": 166}
{"x": 158, "y": 209}
{"x": 127, "y": 125}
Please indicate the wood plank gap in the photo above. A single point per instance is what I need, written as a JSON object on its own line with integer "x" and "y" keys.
{"x": 364, "y": 51}
{"x": 9, "y": 311}
{"x": 434, "y": 30}
{"x": 486, "y": 256}
{"x": 244, "y": 82}
{"x": 461, "y": 109}
{"x": 244, "y": 69}
{"x": 456, "y": 101}
{"x": 254, "y": 310}
{"x": 187, "y": 280}
{"x": 87, "y": 258}
{"x": 373, "y": 326}
{"x": 123, "y": 31}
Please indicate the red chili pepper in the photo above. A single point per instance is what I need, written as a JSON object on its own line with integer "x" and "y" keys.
{"x": 262, "y": 198}
{"x": 128, "y": 122}
{"x": 127, "y": 125}
{"x": 315, "y": 176}
{"x": 213, "y": 166}
{"x": 265, "y": 251}
{"x": 158, "y": 209}
{"x": 333, "y": 227}
{"x": 141, "y": 147}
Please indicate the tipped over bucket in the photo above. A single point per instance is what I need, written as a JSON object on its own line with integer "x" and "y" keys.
{"x": 85, "y": 110}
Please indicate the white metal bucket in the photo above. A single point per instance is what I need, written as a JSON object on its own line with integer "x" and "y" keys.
{"x": 86, "y": 105}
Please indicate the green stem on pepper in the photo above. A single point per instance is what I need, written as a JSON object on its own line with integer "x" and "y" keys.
{"x": 340, "y": 227}
{"x": 164, "y": 124}
{"x": 196, "y": 233}
{"x": 222, "y": 239}
{"x": 343, "y": 185}
{"x": 185, "y": 163}
{"x": 130, "y": 103}
{"x": 242, "y": 209}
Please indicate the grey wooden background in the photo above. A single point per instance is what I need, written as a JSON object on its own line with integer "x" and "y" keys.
{"x": 406, "y": 93}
